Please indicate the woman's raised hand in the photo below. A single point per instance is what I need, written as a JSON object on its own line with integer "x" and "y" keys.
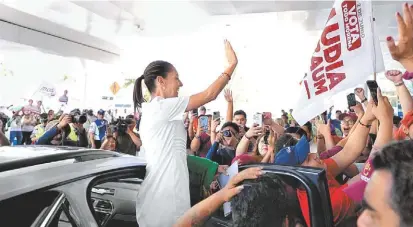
{"x": 403, "y": 51}
{"x": 230, "y": 53}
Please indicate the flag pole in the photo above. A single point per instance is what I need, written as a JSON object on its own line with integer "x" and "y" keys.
{"x": 375, "y": 73}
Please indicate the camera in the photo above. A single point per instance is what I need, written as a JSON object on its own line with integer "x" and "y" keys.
{"x": 121, "y": 125}
{"x": 77, "y": 117}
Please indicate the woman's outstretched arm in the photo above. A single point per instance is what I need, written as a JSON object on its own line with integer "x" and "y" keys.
{"x": 212, "y": 92}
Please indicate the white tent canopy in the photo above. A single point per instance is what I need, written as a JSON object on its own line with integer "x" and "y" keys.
{"x": 84, "y": 46}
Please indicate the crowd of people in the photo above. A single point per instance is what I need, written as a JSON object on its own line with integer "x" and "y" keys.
{"x": 32, "y": 125}
{"x": 366, "y": 151}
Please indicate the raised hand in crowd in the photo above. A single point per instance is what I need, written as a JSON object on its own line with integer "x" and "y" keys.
{"x": 359, "y": 92}
{"x": 219, "y": 138}
{"x": 405, "y": 99}
{"x": 244, "y": 143}
{"x": 395, "y": 76}
{"x": 65, "y": 120}
{"x": 324, "y": 135}
{"x": 228, "y": 95}
{"x": 230, "y": 104}
{"x": 255, "y": 130}
{"x": 403, "y": 50}
{"x": 214, "y": 124}
{"x": 383, "y": 112}
{"x": 358, "y": 110}
{"x": 199, "y": 213}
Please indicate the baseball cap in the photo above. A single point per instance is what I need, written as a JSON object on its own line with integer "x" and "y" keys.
{"x": 351, "y": 115}
{"x": 405, "y": 122}
{"x": 355, "y": 191}
{"x": 101, "y": 112}
{"x": 294, "y": 155}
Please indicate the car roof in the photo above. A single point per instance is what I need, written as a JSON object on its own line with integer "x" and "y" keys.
{"x": 8, "y": 153}
{"x": 44, "y": 166}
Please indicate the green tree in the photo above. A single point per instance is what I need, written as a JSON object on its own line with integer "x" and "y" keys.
{"x": 128, "y": 82}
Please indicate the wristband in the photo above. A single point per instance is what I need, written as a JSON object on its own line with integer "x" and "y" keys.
{"x": 367, "y": 126}
{"x": 198, "y": 137}
{"x": 246, "y": 137}
{"x": 364, "y": 100}
{"x": 227, "y": 75}
{"x": 398, "y": 84}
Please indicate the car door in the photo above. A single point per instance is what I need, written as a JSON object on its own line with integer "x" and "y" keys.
{"x": 39, "y": 208}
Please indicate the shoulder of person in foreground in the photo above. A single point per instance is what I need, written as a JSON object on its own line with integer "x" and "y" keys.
{"x": 3, "y": 140}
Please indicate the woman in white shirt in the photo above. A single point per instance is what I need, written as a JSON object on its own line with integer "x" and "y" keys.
{"x": 164, "y": 194}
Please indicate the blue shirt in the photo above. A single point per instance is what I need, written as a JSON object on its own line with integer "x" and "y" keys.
{"x": 99, "y": 129}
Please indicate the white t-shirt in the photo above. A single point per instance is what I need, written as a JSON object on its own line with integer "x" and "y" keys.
{"x": 16, "y": 124}
{"x": 164, "y": 194}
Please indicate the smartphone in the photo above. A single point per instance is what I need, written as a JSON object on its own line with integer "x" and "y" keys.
{"x": 372, "y": 85}
{"x": 216, "y": 115}
{"x": 351, "y": 100}
{"x": 267, "y": 115}
{"x": 204, "y": 123}
{"x": 195, "y": 112}
{"x": 258, "y": 119}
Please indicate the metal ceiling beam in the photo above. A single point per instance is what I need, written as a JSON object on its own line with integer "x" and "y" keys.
{"x": 20, "y": 27}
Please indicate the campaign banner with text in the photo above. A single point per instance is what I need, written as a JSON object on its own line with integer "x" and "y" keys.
{"x": 345, "y": 56}
{"x": 46, "y": 89}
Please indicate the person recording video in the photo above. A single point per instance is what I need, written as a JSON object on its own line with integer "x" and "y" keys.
{"x": 127, "y": 141}
{"x": 67, "y": 131}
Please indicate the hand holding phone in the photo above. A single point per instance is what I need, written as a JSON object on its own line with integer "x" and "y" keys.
{"x": 258, "y": 119}
{"x": 204, "y": 123}
{"x": 372, "y": 85}
{"x": 216, "y": 115}
{"x": 195, "y": 113}
{"x": 351, "y": 100}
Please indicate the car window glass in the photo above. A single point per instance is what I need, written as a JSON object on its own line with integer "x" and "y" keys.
{"x": 64, "y": 216}
{"x": 113, "y": 197}
{"x": 32, "y": 205}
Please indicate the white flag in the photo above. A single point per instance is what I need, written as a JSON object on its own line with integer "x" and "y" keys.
{"x": 344, "y": 57}
{"x": 46, "y": 89}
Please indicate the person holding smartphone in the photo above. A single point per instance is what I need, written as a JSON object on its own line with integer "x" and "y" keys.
{"x": 164, "y": 194}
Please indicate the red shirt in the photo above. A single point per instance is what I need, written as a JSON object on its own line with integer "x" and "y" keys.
{"x": 342, "y": 206}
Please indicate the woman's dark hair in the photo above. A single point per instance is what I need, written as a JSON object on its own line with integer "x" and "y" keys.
{"x": 296, "y": 130}
{"x": 252, "y": 205}
{"x": 285, "y": 140}
{"x": 232, "y": 125}
{"x": 152, "y": 71}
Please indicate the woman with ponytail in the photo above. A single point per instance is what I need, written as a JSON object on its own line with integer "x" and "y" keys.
{"x": 164, "y": 194}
